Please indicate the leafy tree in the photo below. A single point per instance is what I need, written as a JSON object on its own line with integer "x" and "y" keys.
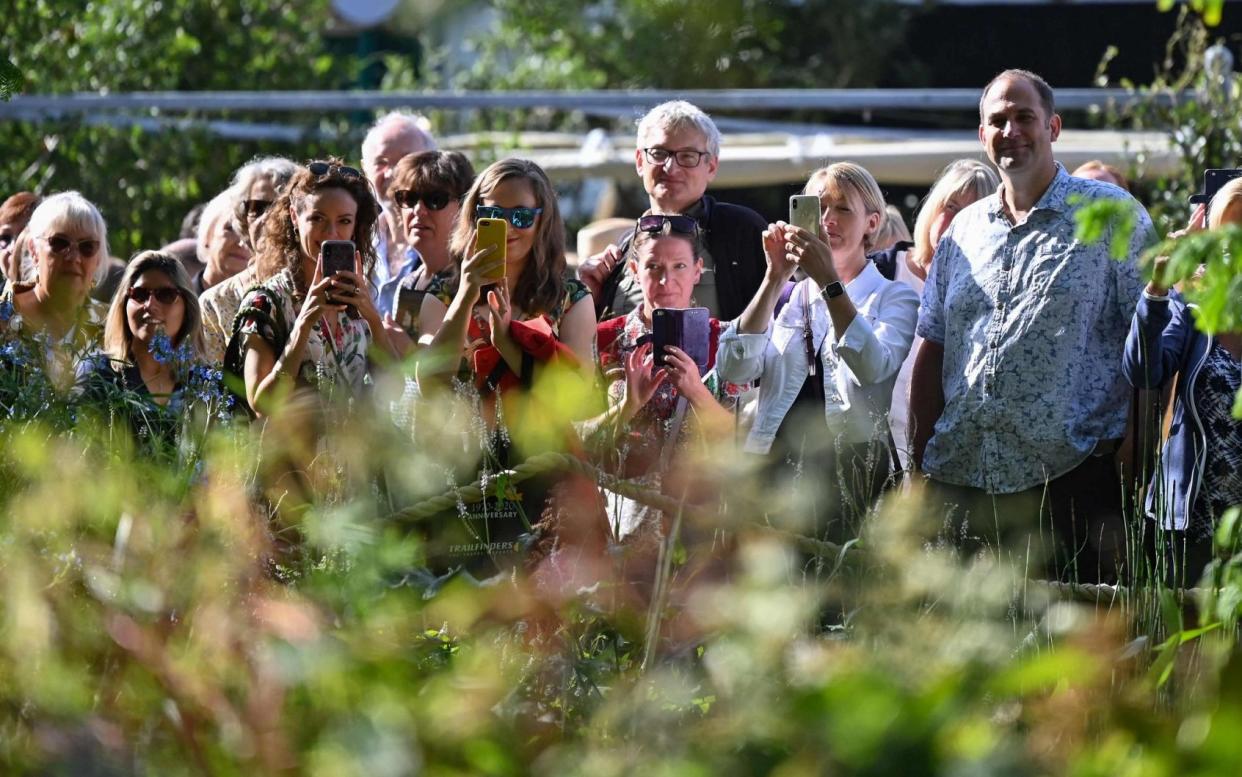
{"x": 143, "y": 179}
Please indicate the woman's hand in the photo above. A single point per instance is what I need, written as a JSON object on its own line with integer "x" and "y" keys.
{"x": 400, "y": 339}
{"x": 683, "y": 373}
{"x": 476, "y": 268}
{"x": 780, "y": 266}
{"x": 350, "y": 288}
{"x": 1159, "y": 285}
{"x": 813, "y": 255}
{"x": 315, "y": 304}
{"x": 594, "y": 272}
{"x": 499, "y": 314}
{"x": 641, "y": 381}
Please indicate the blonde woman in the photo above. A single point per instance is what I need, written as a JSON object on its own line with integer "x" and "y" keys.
{"x": 827, "y": 363}
{"x": 957, "y": 187}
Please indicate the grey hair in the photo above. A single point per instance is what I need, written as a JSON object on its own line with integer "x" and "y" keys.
{"x": 276, "y": 169}
{"x": 679, "y": 114}
{"x": 221, "y": 208}
{"x": 72, "y": 211}
{"x": 411, "y": 124}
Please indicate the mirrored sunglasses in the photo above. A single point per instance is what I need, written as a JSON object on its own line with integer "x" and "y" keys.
{"x": 408, "y": 198}
{"x": 165, "y": 295}
{"x": 520, "y": 218}
{"x": 60, "y": 246}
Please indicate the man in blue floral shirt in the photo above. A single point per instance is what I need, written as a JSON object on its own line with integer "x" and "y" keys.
{"x": 1017, "y": 398}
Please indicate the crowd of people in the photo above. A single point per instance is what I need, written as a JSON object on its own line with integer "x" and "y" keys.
{"x": 993, "y": 352}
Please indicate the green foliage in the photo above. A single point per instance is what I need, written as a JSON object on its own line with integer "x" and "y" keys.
{"x": 145, "y": 180}
{"x": 1200, "y": 113}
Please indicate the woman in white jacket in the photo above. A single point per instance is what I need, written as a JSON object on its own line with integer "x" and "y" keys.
{"x": 826, "y": 365}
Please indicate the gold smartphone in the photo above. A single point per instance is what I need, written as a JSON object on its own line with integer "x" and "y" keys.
{"x": 492, "y": 233}
{"x": 804, "y": 212}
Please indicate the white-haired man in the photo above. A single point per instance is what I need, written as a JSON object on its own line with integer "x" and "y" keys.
{"x": 392, "y": 137}
{"x": 677, "y": 155}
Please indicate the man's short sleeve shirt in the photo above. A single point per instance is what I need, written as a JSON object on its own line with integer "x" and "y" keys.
{"x": 1033, "y": 322}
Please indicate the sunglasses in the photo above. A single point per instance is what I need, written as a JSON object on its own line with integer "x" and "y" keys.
{"x": 320, "y": 169}
{"x": 520, "y": 218}
{"x": 256, "y": 208}
{"x": 165, "y": 295}
{"x": 60, "y": 246}
{"x": 408, "y": 198}
{"x": 684, "y": 158}
{"x": 654, "y": 224}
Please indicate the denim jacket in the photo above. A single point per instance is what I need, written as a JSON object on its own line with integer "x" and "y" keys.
{"x": 859, "y": 365}
{"x": 1164, "y": 341}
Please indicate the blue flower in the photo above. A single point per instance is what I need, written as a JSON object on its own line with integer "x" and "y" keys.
{"x": 6, "y": 311}
{"x": 162, "y": 348}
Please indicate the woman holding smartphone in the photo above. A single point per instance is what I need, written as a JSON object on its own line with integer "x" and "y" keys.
{"x": 827, "y": 363}
{"x": 656, "y": 412}
{"x": 303, "y": 326}
{"x": 1200, "y": 473}
{"x": 505, "y": 322}
{"x": 536, "y": 312}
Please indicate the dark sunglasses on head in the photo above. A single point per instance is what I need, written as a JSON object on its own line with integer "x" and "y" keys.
{"x": 256, "y": 208}
{"x": 320, "y": 169}
{"x": 408, "y": 198}
{"x": 520, "y": 218}
{"x": 60, "y": 246}
{"x": 165, "y": 295}
{"x": 654, "y": 224}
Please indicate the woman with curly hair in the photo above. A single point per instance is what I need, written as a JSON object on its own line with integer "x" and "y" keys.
{"x": 299, "y": 327}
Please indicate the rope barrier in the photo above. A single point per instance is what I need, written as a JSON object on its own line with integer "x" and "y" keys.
{"x": 544, "y": 463}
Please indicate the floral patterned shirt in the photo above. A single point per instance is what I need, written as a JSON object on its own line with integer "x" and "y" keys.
{"x": 57, "y": 359}
{"x": 336, "y": 351}
{"x": 1033, "y": 321}
{"x": 219, "y": 306}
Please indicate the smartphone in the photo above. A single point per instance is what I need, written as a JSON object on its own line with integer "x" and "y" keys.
{"x": 804, "y": 212}
{"x": 492, "y": 232}
{"x": 409, "y": 302}
{"x": 686, "y": 328}
{"x": 1213, "y": 179}
{"x": 337, "y": 255}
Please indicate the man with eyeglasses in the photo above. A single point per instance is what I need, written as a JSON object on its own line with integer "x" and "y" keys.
{"x": 393, "y": 137}
{"x": 677, "y": 157}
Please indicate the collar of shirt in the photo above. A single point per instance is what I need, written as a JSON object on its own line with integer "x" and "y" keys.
{"x": 1053, "y": 198}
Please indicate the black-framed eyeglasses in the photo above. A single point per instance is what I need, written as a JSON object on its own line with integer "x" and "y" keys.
{"x": 321, "y": 168}
{"x": 654, "y": 224}
{"x": 520, "y": 218}
{"x": 60, "y": 245}
{"x": 165, "y": 295}
{"x": 685, "y": 157}
{"x": 408, "y": 198}
{"x": 256, "y": 208}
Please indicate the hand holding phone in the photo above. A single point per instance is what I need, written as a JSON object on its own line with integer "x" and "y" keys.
{"x": 492, "y": 233}
{"x": 686, "y": 328}
{"x": 804, "y": 212}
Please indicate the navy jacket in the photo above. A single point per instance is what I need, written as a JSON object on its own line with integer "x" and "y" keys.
{"x": 1164, "y": 342}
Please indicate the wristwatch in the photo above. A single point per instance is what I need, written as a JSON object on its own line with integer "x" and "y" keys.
{"x": 834, "y": 289}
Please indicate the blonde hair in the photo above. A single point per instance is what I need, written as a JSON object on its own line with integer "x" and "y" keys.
{"x": 118, "y": 339}
{"x": 840, "y": 179}
{"x": 968, "y": 177}
{"x": 892, "y": 229}
{"x": 1224, "y": 197}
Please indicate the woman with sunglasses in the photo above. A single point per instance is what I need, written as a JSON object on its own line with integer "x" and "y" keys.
{"x": 428, "y": 188}
{"x": 255, "y": 186}
{"x": 536, "y": 317}
{"x": 826, "y": 365}
{"x": 151, "y": 347}
{"x": 66, "y": 240}
{"x": 299, "y": 327}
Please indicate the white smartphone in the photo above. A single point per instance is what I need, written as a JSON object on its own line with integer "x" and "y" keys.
{"x": 804, "y": 212}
